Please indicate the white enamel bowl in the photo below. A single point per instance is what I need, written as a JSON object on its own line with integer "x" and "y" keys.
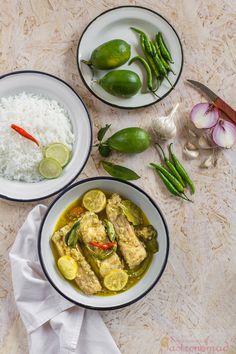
{"x": 155, "y": 217}
{"x": 52, "y": 88}
{"x": 115, "y": 24}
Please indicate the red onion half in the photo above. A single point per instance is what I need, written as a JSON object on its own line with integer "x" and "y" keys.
{"x": 224, "y": 134}
{"x": 204, "y": 115}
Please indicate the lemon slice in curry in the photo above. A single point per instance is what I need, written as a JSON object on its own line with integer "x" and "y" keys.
{"x": 116, "y": 280}
{"x": 94, "y": 200}
{"x": 59, "y": 152}
{"x": 49, "y": 168}
{"x": 68, "y": 267}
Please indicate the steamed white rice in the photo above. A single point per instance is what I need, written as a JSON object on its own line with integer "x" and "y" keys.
{"x": 43, "y": 118}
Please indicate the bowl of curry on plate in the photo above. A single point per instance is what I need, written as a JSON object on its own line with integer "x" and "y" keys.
{"x": 103, "y": 243}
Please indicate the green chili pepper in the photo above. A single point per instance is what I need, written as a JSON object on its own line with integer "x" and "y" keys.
{"x": 148, "y": 71}
{"x": 170, "y": 187}
{"x": 166, "y": 65}
{"x": 164, "y": 62}
{"x": 119, "y": 171}
{"x": 147, "y": 68}
{"x": 137, "y": 272}
{"x": 163, "y": 48}
{"x": 149, "y": 57}
{"x": 159, "y": 82}
{"x": 171, "y": 167}
{"x": 148, "y": 46}
{"x": 100, "y": 253}
{"x": 158, "y": 61}
{"x": 159, "y": 64}
{"x": 109, "y": 229}
{"x": 170, "y": 177}
{"x": 146, "y": 40}
{"x": 181, "y": 170}
{"x": 73, "y": 235}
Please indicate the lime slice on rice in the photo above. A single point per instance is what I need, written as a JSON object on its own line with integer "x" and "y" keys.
{"x": 49, "y": 168}
{"x": 59, "y": 152}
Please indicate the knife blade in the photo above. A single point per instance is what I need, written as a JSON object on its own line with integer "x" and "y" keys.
{"x": 218, "y": 102}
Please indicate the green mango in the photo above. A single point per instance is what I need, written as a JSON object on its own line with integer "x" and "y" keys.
{"x": 110, "y": 55}
{"x": 129, "y": 140}
{"x": 121, "y": 83}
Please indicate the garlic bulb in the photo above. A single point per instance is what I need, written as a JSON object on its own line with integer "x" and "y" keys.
{"x": 164, "y": 127}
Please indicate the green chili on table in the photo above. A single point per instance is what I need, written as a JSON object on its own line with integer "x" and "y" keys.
{"x": 170, "y": 177}
{"x": 181, "y": 169}
{"x": 171, "y": 167}
{"x": 163, "y": 48}
{"x": 170, "y": 187}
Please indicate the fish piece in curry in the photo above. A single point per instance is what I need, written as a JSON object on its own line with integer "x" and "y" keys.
{"x": 111, "y": 256}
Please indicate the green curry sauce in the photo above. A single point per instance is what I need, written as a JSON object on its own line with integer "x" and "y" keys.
{"x": 65, "y": 218}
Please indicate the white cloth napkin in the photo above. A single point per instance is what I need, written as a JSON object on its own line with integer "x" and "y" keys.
{"x": 54, "y": 325}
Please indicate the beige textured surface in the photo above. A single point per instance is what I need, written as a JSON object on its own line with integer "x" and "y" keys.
{"x": 194, "y": 303}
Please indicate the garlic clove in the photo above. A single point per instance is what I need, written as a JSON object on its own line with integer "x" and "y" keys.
{"x": 192, "y": 133}
{"x": 191, "y": 154}
{"x": 209, "y": 162}
{"x": 191, "y": 146}
{"x": 203, "y": 143}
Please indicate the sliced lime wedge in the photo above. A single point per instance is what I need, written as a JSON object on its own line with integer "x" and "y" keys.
{"x": 59, "y": 152}
{"x": 49, "y": 168}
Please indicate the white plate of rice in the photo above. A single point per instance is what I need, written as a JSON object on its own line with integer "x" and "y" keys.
{"x": 51, "y": 111}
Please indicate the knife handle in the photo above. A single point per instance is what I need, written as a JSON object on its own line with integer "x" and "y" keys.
{"x": 224, "y": 107}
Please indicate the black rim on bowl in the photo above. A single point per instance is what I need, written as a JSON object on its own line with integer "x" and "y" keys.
{"x": 77, "y": 302}
{"x": 112, "y": 104}
{"x": 90, "y": 143}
